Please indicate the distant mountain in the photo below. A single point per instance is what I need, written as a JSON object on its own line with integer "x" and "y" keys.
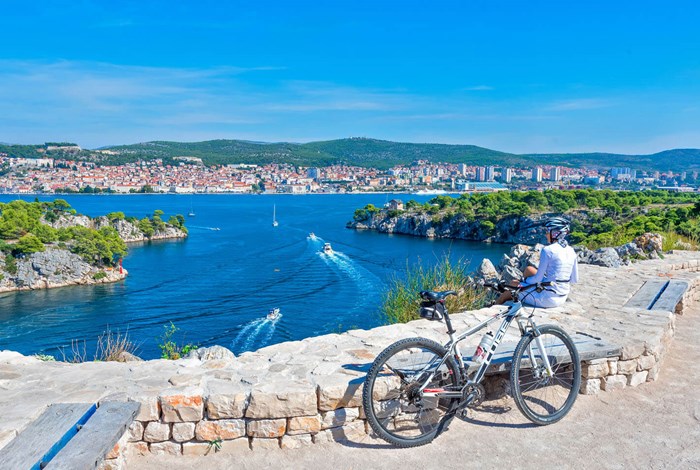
{"x": 370, "y": 153}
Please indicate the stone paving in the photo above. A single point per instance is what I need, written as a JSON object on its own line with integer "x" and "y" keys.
{"x": 304, "y": 392}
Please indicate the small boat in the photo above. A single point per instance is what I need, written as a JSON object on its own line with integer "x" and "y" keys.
{"x": 327, "y": 249}
{"x": 274, "y": 220}
{"x": 191, "y": 213}
{"x": 274, "y": 314}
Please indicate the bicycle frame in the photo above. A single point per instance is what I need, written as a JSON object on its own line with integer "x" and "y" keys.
{"x": 526, "y": 325}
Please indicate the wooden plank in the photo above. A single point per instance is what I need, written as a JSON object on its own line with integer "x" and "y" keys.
{"x": 671, "y": 296}
{"x": 97, "y": 437}
{"x": 646, "y": 295}
{"x": 31, "y": 445}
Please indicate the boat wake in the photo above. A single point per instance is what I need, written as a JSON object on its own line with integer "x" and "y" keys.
{"x": 215, "y": 229}
{"x": 249, "y": 336}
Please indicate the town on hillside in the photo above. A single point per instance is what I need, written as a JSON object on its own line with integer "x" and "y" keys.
{"x": 188, "y": 174}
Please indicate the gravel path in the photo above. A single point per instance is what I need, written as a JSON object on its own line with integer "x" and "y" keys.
{"x": 655, "y": 425}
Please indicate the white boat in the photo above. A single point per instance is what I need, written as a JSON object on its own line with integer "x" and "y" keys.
{"x": 274, "y": 314}
{"x": 327, "y": 248}
{"x": 274, "y": 220}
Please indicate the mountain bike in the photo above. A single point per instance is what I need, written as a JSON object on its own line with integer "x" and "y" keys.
{"x": 416, "y": 385}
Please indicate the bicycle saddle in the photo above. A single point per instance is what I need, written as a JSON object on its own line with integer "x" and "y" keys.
{"x": 436, "y": 296}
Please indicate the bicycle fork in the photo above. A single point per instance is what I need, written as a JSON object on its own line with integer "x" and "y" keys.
{"x": 543, "y": 352}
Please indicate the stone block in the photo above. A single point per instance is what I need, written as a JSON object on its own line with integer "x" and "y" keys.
{"x": 137, "y": 448}
{"x": 235, "y": 446}
{"x": 261, "y": 443}
{"x": 182, "y": 405}
{"x": 304, "y": 425}
{"x": 354, "y": 431}
{"x": 156, "y": 432}
{"x": 339, "y": 417}
{"x": 197, "y": 448}
{"x": 614, "y": 382}
{"x": 654, "y": 372}
{"x": 612, "y": 367}
{"x": 646, "y": 363}
{"x": 296, "y": 442}
{"x": 118, "y": 448}
{"x": 135, "y": 432}
{"x": 183, "y": 432}
{"x": 112, "y": 464}
{"x": 632, "y": 351}
{"x": 267, "y": 428}
{"x": 282, "y": 400}
{"x": 637, "y": 378}
{"x": 590, "y": 386}
{"x": 595, "y": 369}
{"x": 220, "y": 429}
{"x": 626, "y": 367}
{"x": 150, "y": 408}
{"x": 165, "y": 448}
{"x": 339, "y": 391}
{"x": 226, "y": 400}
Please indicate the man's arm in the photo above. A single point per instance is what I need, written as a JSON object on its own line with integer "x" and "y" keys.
{"x": 541, "y": 269}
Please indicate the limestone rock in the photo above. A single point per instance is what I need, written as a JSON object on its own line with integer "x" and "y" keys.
{"x": 630, "y": 250}
{"x": 266, "y": 427}
{"x": 212, "y": 353}
{"x": 590, "y": 386}
{"x": 220, "y": 429}
{"x": 197, "y": 448}
{"x": 614, "y": 382}
{"x": 135, "y": 431}
{"x": 339, "y": 417}
{"x": 125, "y": 356}
{"x": 650, "y": 242}
{"x": 226, "y": 399}
{"x": 339, "y": 391}
{"x": 296, "y": 442}
{"x": 607, "y": 257}
{"x": 304, "y": 425}
{"x": 261, "y": 443}
{"x": 637, "y": 378}
{"x": 487, "y": 271}
{"x": 181, "y": 405}
{"x": 271, "y": 400}
{"x": 165, "y": 448}
{"x": 511, "y": 274}
{"x": 183, "y": 432}
{"x": 156, "y": 432}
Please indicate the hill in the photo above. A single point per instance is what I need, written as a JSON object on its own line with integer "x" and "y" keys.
{"x": 360, "y": 152}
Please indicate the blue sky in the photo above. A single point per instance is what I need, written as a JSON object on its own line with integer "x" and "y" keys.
{"x": 509, "y": 75}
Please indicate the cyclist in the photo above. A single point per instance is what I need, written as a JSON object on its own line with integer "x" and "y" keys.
{"x": 558, "y": 265}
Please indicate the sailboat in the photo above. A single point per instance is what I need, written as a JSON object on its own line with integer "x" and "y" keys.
{"x": 274, "y": 220}
{"x": 191, "y": 212}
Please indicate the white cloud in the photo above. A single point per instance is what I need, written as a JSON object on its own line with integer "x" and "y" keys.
{"x": 580, "y": 104}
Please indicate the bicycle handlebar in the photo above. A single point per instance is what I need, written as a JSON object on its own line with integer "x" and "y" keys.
{"x": 502, "y": 286}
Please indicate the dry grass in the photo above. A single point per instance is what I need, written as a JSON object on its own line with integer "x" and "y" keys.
{"x": 111, "y": 346}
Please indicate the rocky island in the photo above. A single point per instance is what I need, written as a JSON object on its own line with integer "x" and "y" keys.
{"x": 47, "y": 244}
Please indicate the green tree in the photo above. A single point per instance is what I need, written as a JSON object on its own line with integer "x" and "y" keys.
{"x": 28, "y": 244}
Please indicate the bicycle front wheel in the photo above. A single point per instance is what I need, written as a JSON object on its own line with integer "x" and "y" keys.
{"x": 541, "y": 397}
{"x": 393, "y": 392}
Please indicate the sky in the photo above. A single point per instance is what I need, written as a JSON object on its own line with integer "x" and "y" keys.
{"x": 516, "y": 76}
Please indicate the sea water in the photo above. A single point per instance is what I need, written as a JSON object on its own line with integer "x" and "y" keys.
{"x": 218, "y": 285}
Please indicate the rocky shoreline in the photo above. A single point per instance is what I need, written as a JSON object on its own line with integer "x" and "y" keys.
{"x": 57, "y": 266}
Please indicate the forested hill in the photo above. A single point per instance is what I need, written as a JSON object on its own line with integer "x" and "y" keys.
{"x": 364, "y": 152}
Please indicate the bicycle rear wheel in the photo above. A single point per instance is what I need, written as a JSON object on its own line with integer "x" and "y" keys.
{"x": 545, "y": 399}
{"x": 392, "y": 397}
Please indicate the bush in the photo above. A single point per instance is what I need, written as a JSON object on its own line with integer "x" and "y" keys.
{"x": 99, "y": 275}
{"x": 10, "y": 264}
{"x": 402, "y": 302}
{"x": 169, "y": 348}
{"x": 28, "y": 244}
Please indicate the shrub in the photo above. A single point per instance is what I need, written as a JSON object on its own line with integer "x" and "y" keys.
{"x": 401, "y": 301}
{"x": 10, "y": 264}
{"x": 28, "y": 244}
{"x": 99, "y": 275}
{"x": 112, "y": 346}
{"x": 169, "y": 348}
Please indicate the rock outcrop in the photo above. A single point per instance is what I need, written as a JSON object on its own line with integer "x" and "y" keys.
{"x": 54, "y": 267}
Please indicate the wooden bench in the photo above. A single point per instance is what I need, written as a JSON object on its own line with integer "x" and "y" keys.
{"x": 658, "y": 294}
{"x": 69, "y": 436}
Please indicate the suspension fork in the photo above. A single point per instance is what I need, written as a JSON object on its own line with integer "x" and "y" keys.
{"x": 535, "y": 331}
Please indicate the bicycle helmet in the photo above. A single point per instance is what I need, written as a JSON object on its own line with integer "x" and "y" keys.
{"x": 558, "y": 228}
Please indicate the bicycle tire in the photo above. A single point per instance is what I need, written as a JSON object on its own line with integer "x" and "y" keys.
{"x": 561, "y": 389}
{"x": 390, "y": 418}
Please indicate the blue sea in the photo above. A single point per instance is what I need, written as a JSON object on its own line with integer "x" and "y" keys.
{"x": 217, "y": 286}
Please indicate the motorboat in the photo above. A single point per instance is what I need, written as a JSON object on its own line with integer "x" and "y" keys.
{"x": 274, "y": 219}
{"x": 327, "y": 249}
{"x": 274, "y": 314}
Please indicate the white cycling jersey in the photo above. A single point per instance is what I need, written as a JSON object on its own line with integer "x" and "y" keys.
{"x": 558, "y": 265}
